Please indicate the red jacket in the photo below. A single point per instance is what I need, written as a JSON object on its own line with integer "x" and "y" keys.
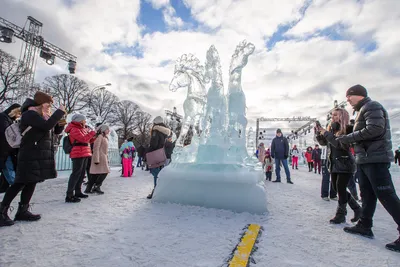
{"x": 308, "y": 156}
{"x": 80, "y": 134}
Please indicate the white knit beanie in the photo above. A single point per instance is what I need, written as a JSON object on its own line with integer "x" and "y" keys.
{"x": 158, "y": 120}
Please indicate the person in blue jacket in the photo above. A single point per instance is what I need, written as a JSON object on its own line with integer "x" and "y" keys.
{"x": 280, "y": 152}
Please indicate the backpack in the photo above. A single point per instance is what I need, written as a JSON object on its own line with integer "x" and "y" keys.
{"x": 67, "y": 145}
{"x": 14, "y": 136}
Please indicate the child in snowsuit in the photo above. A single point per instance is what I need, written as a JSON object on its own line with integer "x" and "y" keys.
{"x": 127, "y": 159}
{"x": 268, "y": 166}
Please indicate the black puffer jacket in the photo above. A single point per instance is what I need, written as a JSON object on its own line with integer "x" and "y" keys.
{"x": 5, "y": 149}
{"x": 340, "y": 159}
{"x": 371, "y": 134}
{"x": 159, "y": 133}
{"x": 36, "y": 156}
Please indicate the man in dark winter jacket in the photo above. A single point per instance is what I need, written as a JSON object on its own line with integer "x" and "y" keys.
{"x": 397, "y": 156}
{"x": 316, "y": 157}
{"x": 140, "y": 153}
{"x": 8, "y": 155}
{"x": 280, "y": 152}
{"x": 373, "y": 148}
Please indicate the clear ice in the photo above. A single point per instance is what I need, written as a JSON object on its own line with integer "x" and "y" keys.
{"x": 215, "y": 170}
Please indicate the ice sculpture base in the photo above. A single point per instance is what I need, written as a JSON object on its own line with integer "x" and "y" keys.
{"x": 221, "y": 186}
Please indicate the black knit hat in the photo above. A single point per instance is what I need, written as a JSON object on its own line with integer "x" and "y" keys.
{"x": 357, "y": 90}
{"x": 278, "y": 131}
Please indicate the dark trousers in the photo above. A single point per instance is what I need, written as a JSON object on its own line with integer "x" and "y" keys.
{"x": 352, "y": 186}
{"x": 97, "y": 179}
{"x": 326, "y": 186}
{"x": 376, "y": 183}
{"x": 310, "y": 166}
{"x": 268, "y": 175}
{"x": 339, "y": 184}
{"x": 26, "y": 194}
{"x": 76, "y": 178}
{"x": 317, "y": 164}
{"x": 88, "y": 167}
{"x": 139, "y": 162}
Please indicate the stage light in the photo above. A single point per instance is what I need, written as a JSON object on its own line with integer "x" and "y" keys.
{"x": 47, "y": 55}
{"x": 72, "y": 67}
{"x": 6, "y": 35}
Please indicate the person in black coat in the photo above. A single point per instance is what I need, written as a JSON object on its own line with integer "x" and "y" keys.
{"x": 8, "y": 155}
{"x": 159, "y": 134}
{"x": 140, "y": 153}
{"x": 169, "y": 149}
{"x": 341, "y": 164}
{"x": 372, "y": 141}
{"x": 35, "y": 157}
{"x": 397, "y": 156}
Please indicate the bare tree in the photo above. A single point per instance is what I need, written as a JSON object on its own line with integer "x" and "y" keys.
{"x": 125, "y": 117}
{"x": 142, "y": 127}
{"x": 67, "y": 90}
{"x": 11, "y": 72}
{"x": 102, "y": 105}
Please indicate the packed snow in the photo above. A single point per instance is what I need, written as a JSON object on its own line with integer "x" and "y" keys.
{"x": 123, "y": 228}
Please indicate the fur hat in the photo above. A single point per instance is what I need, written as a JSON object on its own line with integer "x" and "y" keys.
{"x": 78, "y": 117}
{"x": 158, "y": 120}
{"x": 41, "y": 98}
{"x": 357, "y": 90}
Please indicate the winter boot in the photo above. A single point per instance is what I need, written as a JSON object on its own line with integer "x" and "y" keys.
{"x": 150, "y": 196}
{"x": 81, "y": 195}
{"x": 23, "y": 214}
{"x": 356, "y": 208}
{"x": 97, "y": 190}
{"x": 340, "y": 216}
{"x": 359, "y": 229}
{"x": 72, "y": 199}
{"x": 89, "y": 188}
{"x": 394, "y": 246}
{"x": 4, "y": 219}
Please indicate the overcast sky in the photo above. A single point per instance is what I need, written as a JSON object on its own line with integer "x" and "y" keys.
{"x": 307, "y": 52}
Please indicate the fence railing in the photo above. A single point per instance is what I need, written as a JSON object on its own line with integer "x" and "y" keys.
{"x": 63, "y": 162}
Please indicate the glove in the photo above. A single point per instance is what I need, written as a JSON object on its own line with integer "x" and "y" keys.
{"x": 285, "y": 156}
{"x": 272, "y": 156}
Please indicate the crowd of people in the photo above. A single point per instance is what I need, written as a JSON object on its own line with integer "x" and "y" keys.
{"x": 354, "y": 150}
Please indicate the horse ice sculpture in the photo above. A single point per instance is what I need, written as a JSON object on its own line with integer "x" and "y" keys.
{"x": 214, "y": 173}
{"x": 190, "y": 74}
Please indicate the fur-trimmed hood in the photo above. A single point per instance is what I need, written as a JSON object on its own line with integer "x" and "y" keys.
{"x": 162, "y": 129}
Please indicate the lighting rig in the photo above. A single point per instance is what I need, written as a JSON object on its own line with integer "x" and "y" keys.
{"x": 33, "y": 41}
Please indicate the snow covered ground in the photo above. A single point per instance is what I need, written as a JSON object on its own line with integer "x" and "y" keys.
{"x": 123, "y": 228}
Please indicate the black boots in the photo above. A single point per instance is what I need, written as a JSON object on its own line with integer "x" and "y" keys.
{"x": 4, "y": 219}
{"x": 23, "y": 214}
{"x": 97, "y": 190}
{"x": 360, "y": 229}
{"x": 355, "y": 207}
{"x": 394, "y": 246}
{"x": 72, "y": 199}
{"x": 340, "y": 216}
{"x": 150, "y": 196}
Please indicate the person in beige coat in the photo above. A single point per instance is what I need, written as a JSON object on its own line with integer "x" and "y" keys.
{"x": 99, "y": 168}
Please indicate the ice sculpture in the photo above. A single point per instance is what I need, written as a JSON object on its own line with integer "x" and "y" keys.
{"x": 215, "y": 171}
{"x": 190, "y": 74}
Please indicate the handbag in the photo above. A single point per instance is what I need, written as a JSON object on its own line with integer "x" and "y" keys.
{"x": 156, "y": 158}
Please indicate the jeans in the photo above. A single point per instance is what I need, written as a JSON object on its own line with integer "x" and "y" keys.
{"x": 76, "y": 177}
{"x": 326, "y": 177}
{"x": 339, "y": 184}
{"x": 139, "y": 162}
{"x": 376, "y": 183}
{"x": 155, "y": 172}
{"x": 9, "y": 171}
{"x": 278, "y": 169}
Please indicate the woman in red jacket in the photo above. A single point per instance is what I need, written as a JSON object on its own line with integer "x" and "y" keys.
{"x": 308, "y": 156}
{"x": 80, "y": 136}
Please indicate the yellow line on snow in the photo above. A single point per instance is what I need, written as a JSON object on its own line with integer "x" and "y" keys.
{"x": 243, "y": 250}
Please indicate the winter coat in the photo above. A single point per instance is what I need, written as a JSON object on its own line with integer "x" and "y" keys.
{"x": 371, "y": 134}
{"x": 340, "y": 158}
{"x": 316, "y": 154}
{"x": 129, "y": 151}
{"x": 100, "y": 156}
{"x": 295, "y": 152}
{"x": 159, "y": 133}
{"x": 280, "y": 148}
{"x": 269, "y": 164}
{"x": 5, "y": 149}
{"x": 80, "y": 138}
{"x": 169, "y": 148}
{"x": 261, "y": 153}
{"x": 397, "y": 156}
{"x": 308, "y": 156}
{"x": 36, "y": 155}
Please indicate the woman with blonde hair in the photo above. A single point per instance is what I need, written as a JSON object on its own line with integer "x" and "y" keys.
{"x": 35, "y": 157}
{"x": 341, "y": 162}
